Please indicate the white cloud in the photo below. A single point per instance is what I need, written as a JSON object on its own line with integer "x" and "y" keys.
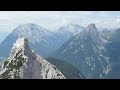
{"x": 118, "y": 20}
{"x": 53, "y": 19}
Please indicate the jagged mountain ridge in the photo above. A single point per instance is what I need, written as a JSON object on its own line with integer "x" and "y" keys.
{"x": 23, "y": 63}
{"x": 87, "y": 52}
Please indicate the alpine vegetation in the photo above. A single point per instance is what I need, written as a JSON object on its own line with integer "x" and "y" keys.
{"x": 24, "y": 63}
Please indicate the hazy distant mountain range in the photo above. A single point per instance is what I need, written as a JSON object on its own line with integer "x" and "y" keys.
{"x": 76, "y": 51}
{"x": 41, "y": 40}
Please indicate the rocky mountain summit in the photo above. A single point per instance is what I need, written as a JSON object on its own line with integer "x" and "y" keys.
{"x": 24, "y": 63}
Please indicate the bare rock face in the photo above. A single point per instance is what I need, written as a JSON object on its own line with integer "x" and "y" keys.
{"x": 23, "y": 63}
{"x": 87, "y": 52}
{"x": 91, "y": 32}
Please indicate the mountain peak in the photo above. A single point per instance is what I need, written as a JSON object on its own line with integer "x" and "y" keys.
{"x": 28, "y": 27}
{"x": 92, "y": 24}
{"x": 28, "y": 24}
{"x": 91, "y": 32}
{"x": 91, "y": 27}
{"x": 23, "y": 63}
{"x": 21, "y": 41}
{"x": 85, "y": 51}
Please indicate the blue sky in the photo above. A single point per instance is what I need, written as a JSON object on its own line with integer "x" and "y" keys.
{"x": 54, "y": 19}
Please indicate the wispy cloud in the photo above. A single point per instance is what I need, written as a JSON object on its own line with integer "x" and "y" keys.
{"x": 53, "y": 19}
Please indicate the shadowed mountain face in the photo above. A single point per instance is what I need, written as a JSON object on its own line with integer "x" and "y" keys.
{"x": 87, "y": 52}
{"x": 113, "y": 49}
{"x": 70, "y": 71}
